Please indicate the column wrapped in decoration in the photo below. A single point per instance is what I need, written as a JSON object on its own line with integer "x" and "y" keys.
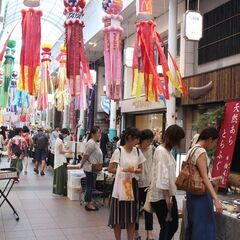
{"x": 145, "y": 71}
{"x": 76, "y": 57}
{"x": 8, "y": 66}
{"x": 45, "y": 82}
{"x": 30, "y": 51}
{"x": 113, "y": 48}
{"x": 62, "y": 94}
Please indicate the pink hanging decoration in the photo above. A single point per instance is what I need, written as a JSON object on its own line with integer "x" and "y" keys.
{"x": 45, "y": 78}
{"x": 113, "y": 48}
{"x": 81, "y": 100}
{"x": 76, "y": 57}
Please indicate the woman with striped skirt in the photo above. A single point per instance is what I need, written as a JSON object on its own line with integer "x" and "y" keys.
{"x": 126, "y": 162}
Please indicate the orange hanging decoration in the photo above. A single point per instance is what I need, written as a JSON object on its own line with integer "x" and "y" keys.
{"x": 145, "y": 71}
{"x": 45, "y": 83}
{"x": 30, "y": 51}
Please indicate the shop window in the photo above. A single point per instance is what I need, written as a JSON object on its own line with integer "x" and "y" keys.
{"x": 221, "y": 33}
{"x": 150, "y": 121}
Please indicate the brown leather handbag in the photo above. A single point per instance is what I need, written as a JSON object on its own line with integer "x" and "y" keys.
{"x": 189, "y": 179}
{"x": 97, "y": 167}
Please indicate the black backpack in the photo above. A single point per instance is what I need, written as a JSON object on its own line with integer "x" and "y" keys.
{"x": 41, "y": 141}
{"x": 16, "y": 150}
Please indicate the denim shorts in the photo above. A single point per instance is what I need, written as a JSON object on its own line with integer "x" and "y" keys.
{"x": 40, "y": 154}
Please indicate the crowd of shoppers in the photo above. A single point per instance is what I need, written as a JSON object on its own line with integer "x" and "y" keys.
{"x": 142, "y": 164}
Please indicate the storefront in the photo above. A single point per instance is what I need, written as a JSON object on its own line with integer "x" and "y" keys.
{"x": 143, "y": 115}
{"x": 225, "y": 87}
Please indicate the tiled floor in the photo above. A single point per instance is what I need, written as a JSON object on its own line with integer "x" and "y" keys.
{"x": 46, "y": 216}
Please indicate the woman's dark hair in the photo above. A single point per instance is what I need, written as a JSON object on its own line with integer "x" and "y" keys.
{"x": 63, "y": 131}
{"x": 11, "y": 134}
{"x": 209, "y": 132}
{"x": 17, "y": 131}
{"x": 3, "y": 132}
{"x": 146, "y": 135}
{"x": 173, "y": 136}
{"x": 93, "y": 131}
{"x": 130, "y": 132}
{"x": 25, "y": 129}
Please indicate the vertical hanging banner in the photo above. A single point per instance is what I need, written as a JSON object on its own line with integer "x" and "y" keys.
{"x": 226, "y": 142}
{"x": 30, "y": 51}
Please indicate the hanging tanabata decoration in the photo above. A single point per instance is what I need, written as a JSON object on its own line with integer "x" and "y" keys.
{"x": 77, "y": 62}
{"x": 30, "y": 51}
{"x": 145, "y": 71}
{"x": 113, "y": 48}
{"x": 62, "y": 94}
{"x": 46, "y": 86}
{"x": 31, "y": 3}
{"x": 7, "y": 73}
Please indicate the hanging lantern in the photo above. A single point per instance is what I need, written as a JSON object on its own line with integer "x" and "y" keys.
{"x": 31, "y": 3}
{"x": 144, "y": 8}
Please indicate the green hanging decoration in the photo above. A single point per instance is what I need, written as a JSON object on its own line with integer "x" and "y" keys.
{"x": 8, "y": 66}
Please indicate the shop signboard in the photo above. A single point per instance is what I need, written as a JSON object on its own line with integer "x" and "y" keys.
{"x": 144, "y": 7}
{"x": 226, "y": 142}
{"x": 193, "y": 24}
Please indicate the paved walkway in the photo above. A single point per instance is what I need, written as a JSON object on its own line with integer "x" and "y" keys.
{"x": 46, "y": 216}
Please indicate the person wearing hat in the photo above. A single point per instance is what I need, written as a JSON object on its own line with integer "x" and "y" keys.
{"x": 60, "y": 162}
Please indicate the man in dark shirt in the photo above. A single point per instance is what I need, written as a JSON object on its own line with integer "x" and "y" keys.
{"x": 40, "y": 141}
{"x": 103, "y": 144}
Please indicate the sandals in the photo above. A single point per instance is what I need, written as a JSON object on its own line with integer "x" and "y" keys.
{"x": 91, "y": 209}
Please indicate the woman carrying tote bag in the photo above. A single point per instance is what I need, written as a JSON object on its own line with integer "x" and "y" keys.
{"x": 92, "y": 163}
{"x": 163, "y": 188}
{"x": 126, "y": 162}
{"x": 201, "y": 225}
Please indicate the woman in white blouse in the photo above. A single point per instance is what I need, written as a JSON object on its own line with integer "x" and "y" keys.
{"x": 163, "y": 188}
{"x": 126, "y": 160}
{"x": 60, "y": 162}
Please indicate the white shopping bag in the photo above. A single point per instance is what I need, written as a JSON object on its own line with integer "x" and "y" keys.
{"x": 123, "y": 187}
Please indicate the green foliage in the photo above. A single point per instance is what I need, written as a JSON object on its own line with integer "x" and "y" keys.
{"x": 210, "y": 118}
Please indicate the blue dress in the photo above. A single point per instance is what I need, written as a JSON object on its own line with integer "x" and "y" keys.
{"x": 201, "y": 218}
